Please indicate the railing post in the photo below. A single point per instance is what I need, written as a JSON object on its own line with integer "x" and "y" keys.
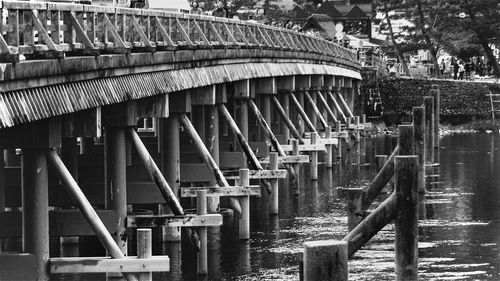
{"x": 325, "y": 260}
{"x": 144, "y": 250}
{"x": 201, "y": 209}
{"x": 406, "y": 221}
{"x": 244, "y": 180}
{"x": 273, "y": 165}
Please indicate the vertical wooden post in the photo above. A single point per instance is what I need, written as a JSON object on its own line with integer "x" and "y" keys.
{"x": 354, "y": 206}
{"x": 437, "y": 110}
{"x": 325, "y": 260}
{"x": 35, "y": 208}
{"x": 356, "y": 122}
{"x": 244, "y": 180}
{"x": 419, "y": 142}
{"x": 405, "y": 140}
{"x": 429, "y": 128}
{"x": 273, "y": 165}
{"x": 406, "y": 221}
{"x": 314, "y": 158}
{"x": 116, "y": 182}
{"x": 212, "y": 140}
{"x": 329, "y": 147}
{"x": 266, "y": 113}
{"x": 201, "y": 209}
{"x": 285, "y": 104}
{"x": 169, "y": 142}
{"x": 144, "y": 250}
{"x": 296, "y": 167}
{"x": 338, "y": 129}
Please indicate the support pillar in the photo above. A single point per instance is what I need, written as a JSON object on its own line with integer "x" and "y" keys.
{"x": 325, "y": 260}
{"x": 241, "y": 114}
{"x": 170, "y": 164}
{"x": 273, "y": 165}
{"x": 35, "y": 208}
{"x": 212, "y": 141}
{"x": 116, "y": 182}
{"x": 244, "y": 226}
{"x": 285, "y": 104}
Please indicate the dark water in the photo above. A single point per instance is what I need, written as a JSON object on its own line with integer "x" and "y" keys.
{"x": 458, "y": 234}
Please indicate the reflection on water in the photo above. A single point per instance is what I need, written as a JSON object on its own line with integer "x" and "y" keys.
{"x": 459, "y": 229}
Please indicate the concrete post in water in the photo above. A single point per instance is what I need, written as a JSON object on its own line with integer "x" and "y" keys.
{"x": 296, "y": 167}
{"x": 244, "y": 180}
{"x": 169, "y": 142}
{"x": 116, "y": 182}
{"x": 144, "y": 250}
{"x": 314, "y": 158}
{"x": 338, "y": 129}
{"x": 201, "y": 209}
{"x": 437, "y": 110}
{"x": 429, "y": 128}
{"x": 419, "y": 142}
{"x": 273, "y": 165}
{"x": 329, "y": 147}
{"x": 35, "y": 202}
{"x": 406, "y": 221}
{"x": 325, "y": 260}
{"x": 212, "y": 139}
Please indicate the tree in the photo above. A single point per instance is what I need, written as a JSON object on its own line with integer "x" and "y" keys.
{"x": 480, "y": 19}
{"x": 386, "y": 7}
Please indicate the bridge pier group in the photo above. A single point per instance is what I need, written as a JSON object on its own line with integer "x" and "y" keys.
{"x": 206, "y": 143}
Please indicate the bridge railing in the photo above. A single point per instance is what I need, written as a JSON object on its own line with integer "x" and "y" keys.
{"x": 44, "y": 29}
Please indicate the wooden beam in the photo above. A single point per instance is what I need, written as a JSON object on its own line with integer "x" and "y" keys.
{"x": 289, "y": 159}
{"x": 263, "y": 174}
{"x": 174, "y": 221}
{"x": 204, "y": 96}
{"x": 253, "y": 190}
{"x": 305, "y": 147}
{"x": 106, "y": 264}
{"x": 265, "y": 86}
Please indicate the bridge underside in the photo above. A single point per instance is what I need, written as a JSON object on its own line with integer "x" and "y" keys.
{"x": 87, "y": 82}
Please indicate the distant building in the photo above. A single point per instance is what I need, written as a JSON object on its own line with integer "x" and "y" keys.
{"x": 343, "y": 17}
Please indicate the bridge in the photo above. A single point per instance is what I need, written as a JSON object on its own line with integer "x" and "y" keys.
{"x": 75, "y": 82}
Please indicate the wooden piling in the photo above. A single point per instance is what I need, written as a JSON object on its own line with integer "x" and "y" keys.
{"x": 405, "y": 140}
{"x": 419, "y": 142}
{"x": 273, "y": 165}
{"x": 201, "y": 209}
{"x": 429, "y": 128}
{"x": 302, "y": 113}
{"x": 286, "y": 120}
{"x": 437, "y": 110}
{"x": 209, "y": 161}
{"x": 35, "y": 204}
{"x": 329, "y": 148}
{"x": 380, "y": 181}
{"x": 325, "y": 260}
{"x": 314, "y": 158}
{"x": 144, "y": 250}
{"x": 244, "y": 226}
{"x": 296, "y": 167}
{"x": 86, "y": 208}
{"x": 406, "y": 221}
{"x": 315, "y": 109}
{"x": 355, "y": 213}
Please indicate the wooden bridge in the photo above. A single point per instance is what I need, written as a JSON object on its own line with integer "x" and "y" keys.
{"x": 91, "y": 102}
